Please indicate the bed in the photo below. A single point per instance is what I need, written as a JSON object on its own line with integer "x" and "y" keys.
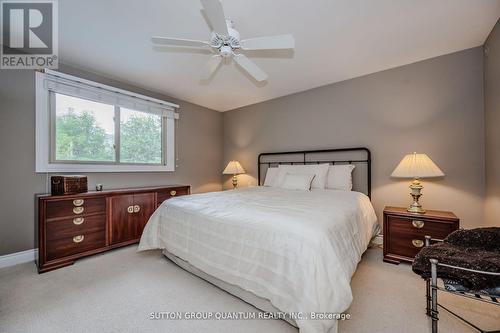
{"x": 281, "y": 250}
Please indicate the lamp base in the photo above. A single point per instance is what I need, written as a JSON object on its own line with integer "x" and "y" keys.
{"x": 415, "y": 210}
{"x": 416, "y": 193}
{"x": 235, "y": 182}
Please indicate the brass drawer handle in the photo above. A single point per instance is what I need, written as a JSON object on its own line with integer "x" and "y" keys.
{"x": 130, "y": 209}
{"x": 173, "y": 193}
{"x": 137, "y": 208}
{"x": 418, "y": 224}
{"x": 78, "y": 220}
{"x": 78, "y": 202}
{"x": 78, "y": 210}
{"x": 78, "y": 239}
{"x": 417, "y": 242}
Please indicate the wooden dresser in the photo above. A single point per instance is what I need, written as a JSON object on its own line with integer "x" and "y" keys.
{"x": 404, "y": 233}
{"x": 79, "y": 225}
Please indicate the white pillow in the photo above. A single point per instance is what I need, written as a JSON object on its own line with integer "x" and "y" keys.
{"x": 340, "y": 177}
{"x": 271, "y": 177}
{"x": 298, "y": 181}
{"x": 320, "y": 172}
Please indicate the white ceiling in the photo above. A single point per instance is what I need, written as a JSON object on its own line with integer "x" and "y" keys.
{"x": 335, "y": 40}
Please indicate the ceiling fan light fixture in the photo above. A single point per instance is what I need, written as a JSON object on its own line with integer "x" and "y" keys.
{"x": 226, "y": 51}
{"x": 225, "y": 39}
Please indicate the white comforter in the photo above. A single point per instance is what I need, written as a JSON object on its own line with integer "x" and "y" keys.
{"x": 297, "y": 249}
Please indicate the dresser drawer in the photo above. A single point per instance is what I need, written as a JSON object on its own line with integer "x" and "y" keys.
{"x": 418, "y": 227}
{"x": 170, "y": 193}
{"x": 74, "y": 244}
{"x": 58, "y": 229}
{"x": 406, "y": 244}
{"x": 75, "y": 207}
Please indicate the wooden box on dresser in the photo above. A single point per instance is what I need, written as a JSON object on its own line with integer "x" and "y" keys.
{"x": 79, "y": 225}
{"x": 404, "y": 232}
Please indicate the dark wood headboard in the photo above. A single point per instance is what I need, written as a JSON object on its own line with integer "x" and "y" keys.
{"x": 361, "y": 157}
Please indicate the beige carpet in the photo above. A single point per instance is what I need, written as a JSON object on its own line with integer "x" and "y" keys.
{"x": 116, "y": 292}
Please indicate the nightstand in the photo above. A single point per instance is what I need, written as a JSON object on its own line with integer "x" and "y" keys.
{"x": 404, "y": 232}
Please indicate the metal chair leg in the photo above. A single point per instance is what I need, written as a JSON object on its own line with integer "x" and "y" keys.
{"x": 428, "y": 285}
{"x": 433, "y": 287}
{"x": 428, "y": 297}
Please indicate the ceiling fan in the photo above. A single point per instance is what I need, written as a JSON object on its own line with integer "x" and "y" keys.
{"x": 225, "y": 43}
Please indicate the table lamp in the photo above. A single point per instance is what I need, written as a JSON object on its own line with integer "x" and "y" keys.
{"x": 234, "y": 168}
{"x": 416, "y": 166}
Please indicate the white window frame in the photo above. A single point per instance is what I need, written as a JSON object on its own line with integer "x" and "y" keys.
{"x": 43, "y": 131}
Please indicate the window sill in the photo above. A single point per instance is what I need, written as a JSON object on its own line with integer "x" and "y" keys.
{"x": 64, "y": 167}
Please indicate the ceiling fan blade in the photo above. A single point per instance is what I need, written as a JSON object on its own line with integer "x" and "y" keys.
{"x": 268, "y": 43}
{"x": 215, "y": 14}
{"x": 250, "y": 67}
{"x": 179, "y": 42}
{"x": 211, "y": 66}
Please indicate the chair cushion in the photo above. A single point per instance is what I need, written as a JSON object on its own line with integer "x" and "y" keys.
{"x": 452, "y": 285}
{"x": 483, "y": 238}
{"x": 455, "y": 250}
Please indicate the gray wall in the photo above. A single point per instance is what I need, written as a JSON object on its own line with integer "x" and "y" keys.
{"x": 492, "y": 116}
{"x": 200, "y": 155}
{"x": 434, "y": 106}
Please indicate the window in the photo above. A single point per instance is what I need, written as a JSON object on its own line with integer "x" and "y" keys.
{"x": 84, "y": 131}
{"x": 140, "y": 135}
{"x": 84, "y": 126}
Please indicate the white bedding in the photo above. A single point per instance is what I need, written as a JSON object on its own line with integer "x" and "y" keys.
{"x": 298, "y": 249}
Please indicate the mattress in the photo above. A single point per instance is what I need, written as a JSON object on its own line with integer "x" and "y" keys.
{"x": 296, "y": 249}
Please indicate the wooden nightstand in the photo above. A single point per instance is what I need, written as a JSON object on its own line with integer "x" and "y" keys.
{"x": 404, "y": 233}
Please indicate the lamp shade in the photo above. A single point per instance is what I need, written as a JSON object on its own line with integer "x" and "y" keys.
{"x": 417, "y": 166}
{"x": 233, "y": 168}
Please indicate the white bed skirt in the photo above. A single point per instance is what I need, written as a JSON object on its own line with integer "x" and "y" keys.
{"x": 252, "y": 299}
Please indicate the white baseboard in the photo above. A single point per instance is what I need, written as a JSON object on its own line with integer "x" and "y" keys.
{"x": 18, "y": 258}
